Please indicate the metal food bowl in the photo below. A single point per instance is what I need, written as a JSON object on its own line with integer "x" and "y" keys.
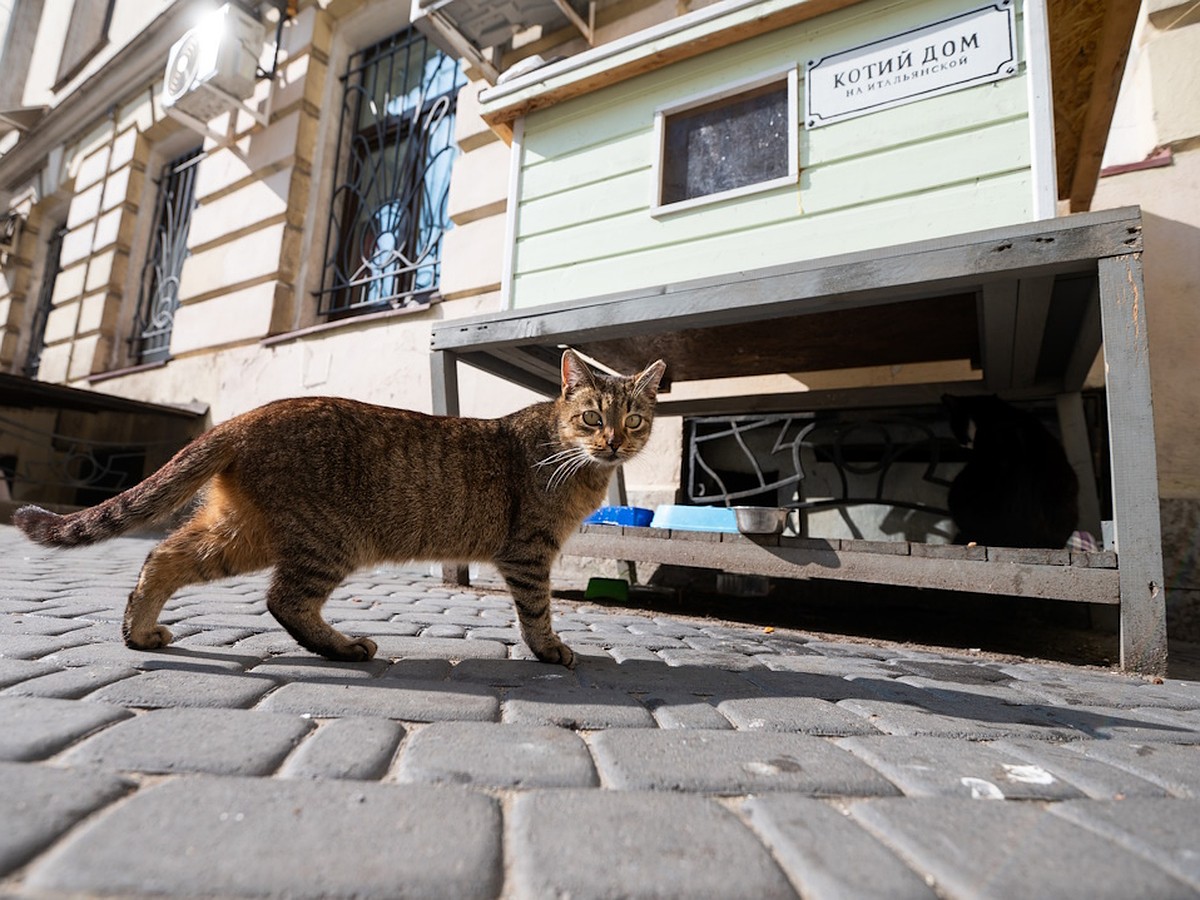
{"x": 761, "y": 519}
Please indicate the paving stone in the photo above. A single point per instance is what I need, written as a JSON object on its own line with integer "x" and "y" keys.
{"x": 828, "y": 856}
{"x": 571, "y": 706}
{"x": 488, "y": 755}
{"x": 1005, "y": 850}
{"x": 240, "y": 619}
{"x": 931, "y": 766}
{"x": 1115, "y": 689}
{"x": 35, "y": 646}
{"x": 574, "y": 843}
{"x": 409, "y": 701}
{"x": 398, "y": 647}
{"x": 174, "y": 687}
{"x": 1163, "y": 831}
{"x": 70, "y": 684}
{"x": 732, "y": 762}
{"x": 283, "y": 837}
{"x": 317, "y": 668}
{"x": 1137, "y": 724}
{"x": 681, "y": 710}
{"x": 14, "y": 671}
{"x": 803, "y": 714}
{"x": 18, "y": 624}
{"x": 983, "y": 721}
{"x": 358, "y": 749}
{"x": 511, "y": 672}
{"x": 1174, "y": 767}
{"x": 37, "y": 727}
{"x": 636, "y": 676}
{"x": 215, "y": 741}
{"x": 418, "y": 670}
{"x": 1095, "y": 778}
{"x": 213, "y": 637}
{"x": 39, "y": 803}
{"x": 731, "y": 662}
{"x": 114, "y": 653}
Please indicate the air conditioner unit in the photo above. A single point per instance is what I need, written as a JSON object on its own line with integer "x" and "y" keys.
{"x": 211, "y": 69}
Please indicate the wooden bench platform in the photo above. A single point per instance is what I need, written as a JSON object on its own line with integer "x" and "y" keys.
{"x": 1029, "y": 305}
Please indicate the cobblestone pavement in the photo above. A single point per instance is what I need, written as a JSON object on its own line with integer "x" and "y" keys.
{"x": 682, "y": 758}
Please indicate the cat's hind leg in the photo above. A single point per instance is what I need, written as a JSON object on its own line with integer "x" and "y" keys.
{"x": 298, "y": 591}
{"x": 529, "y": 583}
{"x": 204, "y": 549}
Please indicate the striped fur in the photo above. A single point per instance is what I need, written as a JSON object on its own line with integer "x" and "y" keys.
{"x": 315, "y": 488}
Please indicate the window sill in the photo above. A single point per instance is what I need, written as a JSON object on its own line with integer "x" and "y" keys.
{"x": 128, "y": 370}
{"x": 667, "y": 209}
{"x": 340, "y": 324}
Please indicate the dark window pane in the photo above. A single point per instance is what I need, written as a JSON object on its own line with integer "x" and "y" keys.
{"x": 87, "y": 32}
{"x": 726, "y": 144}
{"x": 159, "y": 292}
{"x": 395, "y": 151}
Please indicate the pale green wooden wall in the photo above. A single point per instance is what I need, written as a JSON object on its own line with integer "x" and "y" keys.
{"x": 939, "y": 166}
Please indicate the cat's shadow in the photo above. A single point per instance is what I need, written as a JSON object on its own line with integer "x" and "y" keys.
{"x": 602, "y": 681}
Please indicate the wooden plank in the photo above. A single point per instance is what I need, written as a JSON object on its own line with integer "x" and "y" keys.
{"x": 1110, "y": 53}
{"x": 929, "y": 394}
{"x": 444, "y": 383}
{"x": 1087, "y": 345}
{"x": 747, "y": 557}
{"x": 882, "y": 275}
{"x": 772, "y": 228}
{"x": 643, "y": 52}
{"x": 997, "y": 332}
{"x": 1134, "y": 464}
{"x": 1033, "y": 308}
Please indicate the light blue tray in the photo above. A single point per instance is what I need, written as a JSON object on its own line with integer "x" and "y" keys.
{"x": 695, "y": 518}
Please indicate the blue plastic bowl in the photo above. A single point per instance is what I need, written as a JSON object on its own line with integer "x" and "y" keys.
{"x": 633, "y": 516}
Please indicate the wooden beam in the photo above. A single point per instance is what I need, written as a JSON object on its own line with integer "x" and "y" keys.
{"x": 1134, "y": 465}
{"x": 1113, "y": 48}
{"x": 1033, "y": 307}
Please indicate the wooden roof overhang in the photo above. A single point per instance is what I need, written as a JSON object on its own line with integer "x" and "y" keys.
{"x": 1089, "y": 42}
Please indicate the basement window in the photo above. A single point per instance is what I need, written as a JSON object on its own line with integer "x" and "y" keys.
{"x": 736, "y": 141}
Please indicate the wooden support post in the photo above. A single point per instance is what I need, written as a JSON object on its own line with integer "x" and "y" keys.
{"x": 626, "y": 568}
{"x": 444, "y": 383}
{"x": 1134, "y": 464}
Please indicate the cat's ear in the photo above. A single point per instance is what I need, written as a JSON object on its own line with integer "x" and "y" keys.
{"x": 647, "y": 380}
{"x": 575, "y": 373}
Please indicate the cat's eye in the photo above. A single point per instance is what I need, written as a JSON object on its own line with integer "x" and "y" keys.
{"x": 633, "y": 421}
{"x": 593, "y": 418}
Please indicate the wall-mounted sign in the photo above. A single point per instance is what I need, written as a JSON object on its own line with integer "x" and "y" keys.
{"x": 971, "y": 48}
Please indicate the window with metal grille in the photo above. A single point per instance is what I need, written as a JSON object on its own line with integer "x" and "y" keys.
{"x": 394, "y": 154}
{"x": 45, "y": 302}
{"x": 158, "y": 296}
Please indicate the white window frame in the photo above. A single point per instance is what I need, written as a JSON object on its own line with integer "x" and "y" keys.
{"x": 789, "y": 73}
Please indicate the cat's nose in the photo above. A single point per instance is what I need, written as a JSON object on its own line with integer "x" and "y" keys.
{"x": 614, "y": 442}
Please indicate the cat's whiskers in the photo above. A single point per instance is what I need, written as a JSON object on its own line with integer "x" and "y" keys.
{"x": 571, "y": 462}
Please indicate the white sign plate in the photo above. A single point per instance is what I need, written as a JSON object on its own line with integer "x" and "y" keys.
{"x": 971, "y": 48}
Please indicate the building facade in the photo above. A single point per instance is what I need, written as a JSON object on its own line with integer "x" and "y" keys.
{"x": 305, "y": 242}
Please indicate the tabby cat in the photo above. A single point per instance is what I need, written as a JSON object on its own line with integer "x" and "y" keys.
{"x": 318, "y": 487}
{"x": 1017, "y": 489}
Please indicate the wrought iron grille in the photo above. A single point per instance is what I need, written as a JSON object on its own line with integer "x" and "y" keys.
{"x": 158, "y": 296}
{"x": 395, "y": 150}
{"x": 770, "y": 461}
{"x": 45, "y": 302}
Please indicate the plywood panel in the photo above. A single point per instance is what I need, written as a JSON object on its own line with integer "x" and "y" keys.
{"x": 931, "y": 168}
{"x": 960, "y": 208}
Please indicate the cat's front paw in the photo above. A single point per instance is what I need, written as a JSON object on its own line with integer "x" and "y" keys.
{"x": 154, "y": 638}
{"x": 556, "y": 652}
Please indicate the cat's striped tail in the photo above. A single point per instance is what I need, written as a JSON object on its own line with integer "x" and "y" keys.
{"x": 142, "y": 505}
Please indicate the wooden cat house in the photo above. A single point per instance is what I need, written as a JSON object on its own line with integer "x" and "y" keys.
{"x": 763, "y": 187}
